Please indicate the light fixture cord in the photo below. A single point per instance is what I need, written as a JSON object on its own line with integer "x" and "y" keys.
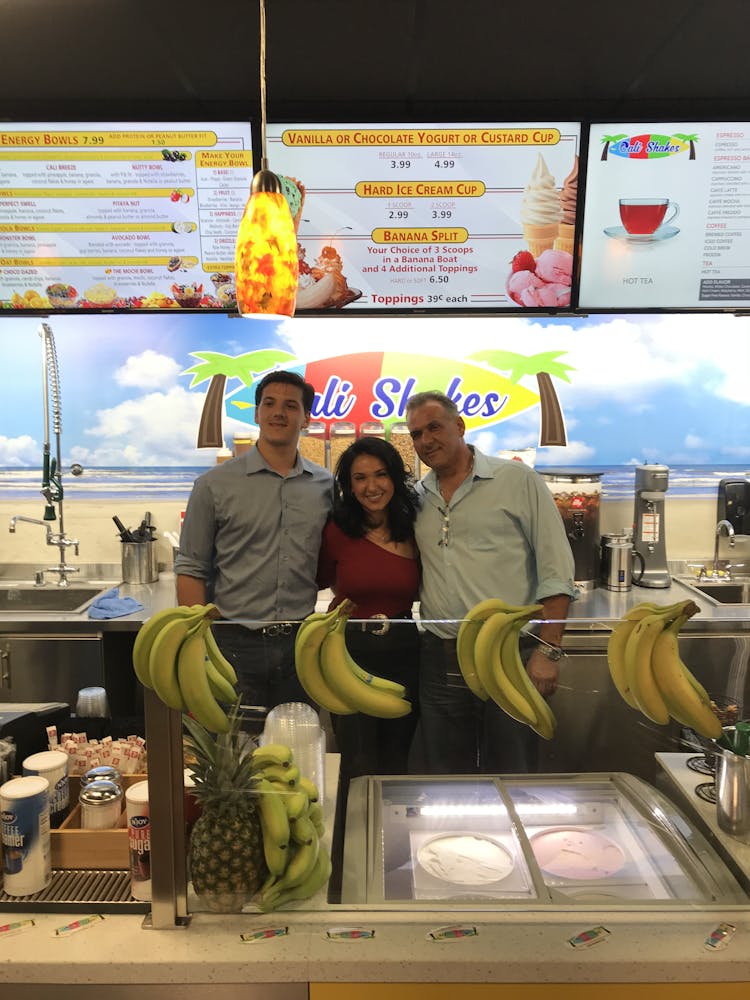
{"x": 263, "y": 160}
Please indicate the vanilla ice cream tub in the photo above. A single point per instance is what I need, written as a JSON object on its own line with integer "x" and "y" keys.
{"x": 24, "y": 830}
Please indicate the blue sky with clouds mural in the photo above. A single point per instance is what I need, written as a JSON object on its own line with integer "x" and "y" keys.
{"x": 664, "y": 388}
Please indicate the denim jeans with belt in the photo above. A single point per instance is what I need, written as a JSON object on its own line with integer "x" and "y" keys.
{"x": 461, "y": 733}
{"x": 264, "y": 661}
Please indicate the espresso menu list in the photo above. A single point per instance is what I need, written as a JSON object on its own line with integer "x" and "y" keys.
{"x": 121, "y": 216}
{"x": 426, "y": 217}
{"x": 667, "y": 216}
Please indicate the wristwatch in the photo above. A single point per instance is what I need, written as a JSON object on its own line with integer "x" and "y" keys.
{"x": 553, "y": 653}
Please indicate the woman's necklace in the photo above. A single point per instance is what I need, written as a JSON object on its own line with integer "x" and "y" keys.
{"x": 380, "y": 534}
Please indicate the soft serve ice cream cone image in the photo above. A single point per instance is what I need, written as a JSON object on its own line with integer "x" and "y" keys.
{"x": 568, "y": 197}
{"x": 541, "y": 211}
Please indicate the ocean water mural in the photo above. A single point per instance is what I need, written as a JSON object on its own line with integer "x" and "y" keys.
{"x": 600, "y": 392}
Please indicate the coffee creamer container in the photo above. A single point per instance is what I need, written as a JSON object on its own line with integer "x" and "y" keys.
{"x": 139, "y": 840}
{"x": 52, "y": 765}
{"x": 24, "y": 820}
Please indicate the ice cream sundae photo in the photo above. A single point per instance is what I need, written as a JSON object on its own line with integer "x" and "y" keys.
{"x": 541, "y": 281}
{"x": 324, "y": 285}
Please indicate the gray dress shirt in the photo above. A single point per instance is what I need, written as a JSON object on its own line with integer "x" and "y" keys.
{"x": 254, "y": 537}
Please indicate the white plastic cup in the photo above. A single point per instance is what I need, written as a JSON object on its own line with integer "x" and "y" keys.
{"x": 139, "y": 839}
{"x": 52, "y": 765}
{"x": 24, "y": 826}
{"x": 296, "y": 725}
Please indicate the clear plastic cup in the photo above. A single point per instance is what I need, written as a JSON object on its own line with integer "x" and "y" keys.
{"x": 297, "y": 726}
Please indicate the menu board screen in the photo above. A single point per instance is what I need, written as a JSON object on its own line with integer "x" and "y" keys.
{"x": 665, "y": 216}
{"x": 433, "y": 217}
{"x": 121, "y": 216}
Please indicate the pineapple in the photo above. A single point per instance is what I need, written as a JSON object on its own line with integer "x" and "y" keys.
{"x": 227, "y": 864}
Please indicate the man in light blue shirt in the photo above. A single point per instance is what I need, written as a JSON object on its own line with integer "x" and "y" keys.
{"x": 250, "y": 543}
{"x": 487, "y": 528}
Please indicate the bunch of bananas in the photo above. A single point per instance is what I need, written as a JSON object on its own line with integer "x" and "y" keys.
{"x": 646, "y": 668}
{"x": 291, "y": 820}
{"x": 331, "y": 677}
{"x": 490, "y": 661}
{"x": 176, "y": 655}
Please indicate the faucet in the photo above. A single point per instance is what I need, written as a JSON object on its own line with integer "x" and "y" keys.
{"x": 52, "y": 487}
{"x": 722, "y": 526}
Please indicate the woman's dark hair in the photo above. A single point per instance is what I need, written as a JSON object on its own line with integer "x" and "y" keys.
{"x": 349, "y": 515}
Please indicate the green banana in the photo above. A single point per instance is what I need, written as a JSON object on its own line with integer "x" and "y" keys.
{"x": 303, "y": 830}
{"x": 146, "y": 636}
{"x": 296, "y": 805}
{"x": 315, "y": 881}
{"x": 309, "y": 788}
{"x": 217, "y": 658}
{"x": 273, "y": 815}
{"x": 307, "y": 648}
{"x": 194, "y": 686}
{"x": 271, "y": 753}
{"x": 222, "y": 688}
{"x": 349, "y": 688}
{"x": 163, "y": 660}
{"x": 638, "y": 670}
{"x": 619, "y": 638}
{"x": 678, "y": 686}
{"x": 286, "y": 776}
{"x": 298, "y": 869}
{"x": 315, "y": 814}
{"x": 515, "y": 670}
{"x": 491, "y": 672}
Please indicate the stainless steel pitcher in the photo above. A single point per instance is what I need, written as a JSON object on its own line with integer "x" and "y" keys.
{"x": 733, "y": 794}
{"x": 617, "y": 556}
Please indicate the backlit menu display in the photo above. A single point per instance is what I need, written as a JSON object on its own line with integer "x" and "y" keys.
{"x": 667, "y": 213}
{"x": 433, "y": 217}
{"x": 121, "y": 216}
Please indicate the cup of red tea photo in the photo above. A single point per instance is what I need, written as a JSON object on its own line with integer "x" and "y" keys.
{"x": 643, "y": 216}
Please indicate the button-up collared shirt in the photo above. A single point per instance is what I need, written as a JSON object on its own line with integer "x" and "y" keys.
{"x": 254, "y": 536}
{"x": 501, "y": 535}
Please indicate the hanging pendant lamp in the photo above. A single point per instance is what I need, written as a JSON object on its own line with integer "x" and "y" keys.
{"x": 266, "y": 270}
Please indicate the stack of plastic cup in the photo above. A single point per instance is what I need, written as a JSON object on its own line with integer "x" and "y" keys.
{"x": 297, "y": 726}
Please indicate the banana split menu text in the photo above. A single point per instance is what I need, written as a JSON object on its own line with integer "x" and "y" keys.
{"x": 120, "y": 216}
{"x": 462, "y": 216}
{"x": 667, "y": 216}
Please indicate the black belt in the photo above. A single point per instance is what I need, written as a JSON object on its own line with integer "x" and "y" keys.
{"x": 276, "y": 630}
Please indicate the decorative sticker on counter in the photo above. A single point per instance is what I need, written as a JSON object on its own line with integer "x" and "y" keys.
{"x": 121, "y": 216}
{"x": 78, "y": 925}
{"x": 594, "y": 935}
{"x": 453, "y": 932}
{"x": 426, "y": 217}
{"x": 263, "y": 934}
{"x": 17, "y": 927}
{"x": 720, "y": 937}
{"x": 350, "y": 933}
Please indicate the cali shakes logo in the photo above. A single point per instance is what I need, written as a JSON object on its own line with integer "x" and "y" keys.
{"x": 648, "y": 146}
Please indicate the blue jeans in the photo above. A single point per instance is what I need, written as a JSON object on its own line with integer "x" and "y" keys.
{"x": 461, "y": 733}
{"x": 264, "y": 662}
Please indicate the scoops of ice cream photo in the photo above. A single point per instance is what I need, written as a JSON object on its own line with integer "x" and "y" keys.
{"x": 541, "y": 281}
{"x": 540, "y": 209}
{"x": 568, "y": 200}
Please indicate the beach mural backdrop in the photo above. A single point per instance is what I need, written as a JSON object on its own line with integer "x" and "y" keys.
{"x": 147, "y": 400}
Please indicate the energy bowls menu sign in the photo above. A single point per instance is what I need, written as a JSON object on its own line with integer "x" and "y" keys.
{"x": 665, "y": 222}
{"x": 121, "y": 217}
{"x": 433, "y": 217}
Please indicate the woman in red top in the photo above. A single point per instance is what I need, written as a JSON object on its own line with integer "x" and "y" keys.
{"x": 369, "y": 556}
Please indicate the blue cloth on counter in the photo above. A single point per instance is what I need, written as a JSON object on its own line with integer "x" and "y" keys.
{"x": 111, "y": 605}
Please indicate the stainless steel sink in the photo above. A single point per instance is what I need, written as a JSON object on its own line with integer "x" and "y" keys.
{"x": 721, "y": 591}
{"x": 20, "y": 597}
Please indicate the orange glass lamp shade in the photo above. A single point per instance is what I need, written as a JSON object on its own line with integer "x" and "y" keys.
{"x": 266, "y": 271}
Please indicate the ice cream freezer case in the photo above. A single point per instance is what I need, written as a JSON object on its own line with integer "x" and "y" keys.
{"x": 542, "y": 840}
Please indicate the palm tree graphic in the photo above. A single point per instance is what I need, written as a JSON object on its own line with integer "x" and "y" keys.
{"x": 542, "y": 366}
{"x": 692, "y": 139}
{"x": 218, "y": 368}
{"x": 607, "y": 139}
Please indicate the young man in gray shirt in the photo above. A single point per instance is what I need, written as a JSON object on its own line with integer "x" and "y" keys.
{"x": 250, "y": 543}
